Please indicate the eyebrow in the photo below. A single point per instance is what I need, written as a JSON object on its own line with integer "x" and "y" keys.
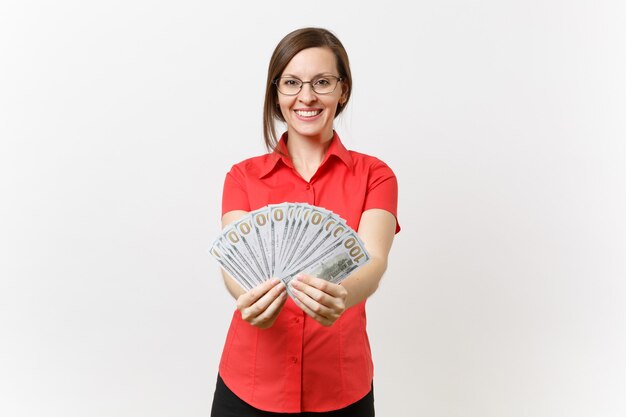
{"x": 321, "y": 74}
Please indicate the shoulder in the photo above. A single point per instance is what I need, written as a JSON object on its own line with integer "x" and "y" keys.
{"x": 251, "y": 166}
{"x": 368, "y": 163}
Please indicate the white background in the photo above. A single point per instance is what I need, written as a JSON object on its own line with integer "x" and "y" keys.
{"x": 503, "y": 120}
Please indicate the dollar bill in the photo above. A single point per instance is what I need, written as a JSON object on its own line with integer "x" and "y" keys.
{"x": 335, "y": 262}
{"x": 231, "y": 265}
{"x": 333, "y": 230}
{"x": 261, "y": 222}
{"x": 253, "y": 241}
{"x": 242, "y": 250}
{"x": 316, "y": 221}
{"x": 278, "y": 221}
{"x": 293, "y": 222}
{"x": 282, "y": 240}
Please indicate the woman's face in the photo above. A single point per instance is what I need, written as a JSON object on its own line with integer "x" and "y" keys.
{"x": 307, "y": 113}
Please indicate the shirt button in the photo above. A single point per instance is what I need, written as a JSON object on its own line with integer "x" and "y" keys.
{"x": 294, "y": 359}
{"x": 308, "y": 186}
{"x": 296, "y": 320}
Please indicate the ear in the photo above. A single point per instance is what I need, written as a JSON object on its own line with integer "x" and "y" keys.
{"x": 344, "y": 94}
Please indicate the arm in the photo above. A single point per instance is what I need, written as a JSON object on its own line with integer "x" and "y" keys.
{"x": 261, "y": 305}
{"x": 376, "y": 230}
{"x": 325, "y": 301}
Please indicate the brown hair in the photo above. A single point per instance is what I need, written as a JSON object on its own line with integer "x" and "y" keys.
{"x": 286, "y": 49}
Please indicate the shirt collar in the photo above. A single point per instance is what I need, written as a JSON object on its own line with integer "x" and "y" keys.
{"x": 281, "y": 153}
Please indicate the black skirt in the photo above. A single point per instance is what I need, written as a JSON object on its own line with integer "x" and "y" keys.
{"x": 227, "y": 404}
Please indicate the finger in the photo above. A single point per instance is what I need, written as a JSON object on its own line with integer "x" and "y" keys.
{"x": 330, "y": 295}
{"x": 312, "y": 305}
{"x": 313, "y": 293}
{"x": 270, "y": 313}
{"x": 263, "y": 303}
{"x": 317, "y": 317}
{"x": 327, "y": 287}
{"x": 252, "y": 296}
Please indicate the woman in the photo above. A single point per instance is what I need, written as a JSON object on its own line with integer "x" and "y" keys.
{"x": 311, "y": 354}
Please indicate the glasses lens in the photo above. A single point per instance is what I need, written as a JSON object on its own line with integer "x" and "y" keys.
{"x": 289, "y": 86}
{"x": 324, "y": 85}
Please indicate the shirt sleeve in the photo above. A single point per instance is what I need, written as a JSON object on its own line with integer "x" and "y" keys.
{"x": 382, "y": 190}
{"x": 235, "y": 193}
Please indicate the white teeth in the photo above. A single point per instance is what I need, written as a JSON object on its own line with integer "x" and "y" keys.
{"x": 308, "y": 113}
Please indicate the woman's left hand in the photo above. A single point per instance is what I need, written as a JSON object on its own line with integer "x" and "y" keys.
{"x": 320, "y": 299}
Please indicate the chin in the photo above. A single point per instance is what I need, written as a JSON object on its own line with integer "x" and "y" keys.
{"x": 311, "y": 135}
{"x": 312, "y": 131}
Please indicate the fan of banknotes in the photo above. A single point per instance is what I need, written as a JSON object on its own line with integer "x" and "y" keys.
{"x": 282, "y": 240}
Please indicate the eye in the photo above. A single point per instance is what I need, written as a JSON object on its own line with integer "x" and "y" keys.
{"x": 322, "y": 82}
{"x": 290, "y": 82}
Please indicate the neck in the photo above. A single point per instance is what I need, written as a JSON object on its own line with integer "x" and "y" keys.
{"x": 307, "y": 153}
{"x": 308, "y": 149}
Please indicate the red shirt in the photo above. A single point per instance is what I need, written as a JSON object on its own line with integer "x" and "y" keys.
{"x": 297, "y": 364}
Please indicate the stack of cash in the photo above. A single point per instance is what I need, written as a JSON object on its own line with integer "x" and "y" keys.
{"x": 282, "y": 240}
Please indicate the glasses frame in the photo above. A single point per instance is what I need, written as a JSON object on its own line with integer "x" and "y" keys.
{"x": 339, "y": 79}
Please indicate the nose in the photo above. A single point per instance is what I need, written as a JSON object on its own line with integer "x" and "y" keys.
{"x": 307, "y": 95}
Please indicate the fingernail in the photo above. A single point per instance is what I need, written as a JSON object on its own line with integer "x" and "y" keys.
{"x": 274, "y": 281}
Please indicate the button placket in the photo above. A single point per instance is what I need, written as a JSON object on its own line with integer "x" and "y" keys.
{"x": 293, "y": 355}
{"x": 310, "y": 193}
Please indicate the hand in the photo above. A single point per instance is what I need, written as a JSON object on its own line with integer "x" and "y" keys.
{"x": 320, "y": 299}
{"x": 261, "y": 305}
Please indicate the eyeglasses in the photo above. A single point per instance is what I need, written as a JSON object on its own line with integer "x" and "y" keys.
{"x": 290, "y": 86}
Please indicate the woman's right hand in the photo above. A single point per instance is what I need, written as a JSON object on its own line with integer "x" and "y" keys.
{"x": 261, "y": 305}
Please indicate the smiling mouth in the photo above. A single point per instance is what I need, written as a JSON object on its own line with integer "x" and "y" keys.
{"x": 308, "y": 113}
